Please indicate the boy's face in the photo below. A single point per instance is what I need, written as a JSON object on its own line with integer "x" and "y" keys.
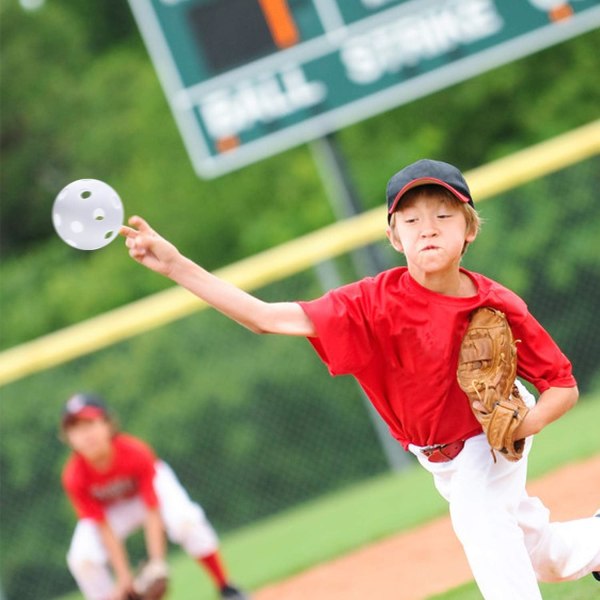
{"x": 431, "y": 231}
{"x": 91, "y": 438}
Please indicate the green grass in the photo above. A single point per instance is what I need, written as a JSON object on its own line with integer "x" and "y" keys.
{"x": 278, "y": 547}
{"x": 583, "y": 589}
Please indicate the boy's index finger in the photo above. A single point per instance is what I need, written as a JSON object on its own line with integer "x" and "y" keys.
{"x": 140, "y": 224}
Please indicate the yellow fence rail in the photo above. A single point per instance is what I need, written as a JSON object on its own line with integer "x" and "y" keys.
{"x": 283, "y": 260}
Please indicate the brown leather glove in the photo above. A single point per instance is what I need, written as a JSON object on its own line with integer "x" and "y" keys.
{"x": 487, "y": 367}
{"x": 151, "y": 581}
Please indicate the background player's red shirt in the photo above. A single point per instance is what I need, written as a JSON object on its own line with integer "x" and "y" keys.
{"x": 401, "y": 342}
{"x": 130, "y": 474}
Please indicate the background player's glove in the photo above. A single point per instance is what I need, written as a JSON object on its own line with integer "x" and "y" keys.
{"x": 151, "y": 581}
{"x": 487, "y": 367}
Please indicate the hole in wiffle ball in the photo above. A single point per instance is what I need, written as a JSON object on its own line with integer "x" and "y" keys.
{"x": 86, "y": 194}
{"x": 99, "y": 214}
{"x": 109, "y": 234}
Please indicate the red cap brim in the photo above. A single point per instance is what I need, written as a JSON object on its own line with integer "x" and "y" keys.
{"x": 86, "y": 413}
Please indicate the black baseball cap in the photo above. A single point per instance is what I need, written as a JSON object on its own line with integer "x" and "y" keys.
{"x": 83, "y": 406}
{"x": 424, "y": 172}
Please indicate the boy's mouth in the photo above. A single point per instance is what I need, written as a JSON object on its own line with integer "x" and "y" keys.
{"x": 425, "y": 248}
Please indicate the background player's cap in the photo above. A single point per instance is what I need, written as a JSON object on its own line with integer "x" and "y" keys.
{"x": 423, "y": 172}
{"x": 83, "y": 406}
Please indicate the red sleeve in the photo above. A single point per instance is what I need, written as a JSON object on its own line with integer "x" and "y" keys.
{"x": 77, "y": 490}
{"x": 142, "y": 459}
{"x": 540, "y": 360}
{"x": 343, "y": 339}
{"x": 147, "y": 490}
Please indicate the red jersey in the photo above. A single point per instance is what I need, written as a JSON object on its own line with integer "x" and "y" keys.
{"x": 130, "y": 474}
{"x": 401, "y": 342}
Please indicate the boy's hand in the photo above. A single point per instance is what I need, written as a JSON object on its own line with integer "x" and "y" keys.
{"x": 148, "y": 248}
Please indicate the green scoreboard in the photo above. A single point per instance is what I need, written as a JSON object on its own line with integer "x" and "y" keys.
{"x": 246, "y": 79}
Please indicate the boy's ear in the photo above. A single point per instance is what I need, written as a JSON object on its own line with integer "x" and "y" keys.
{"x": 471, "y": 235}
{"x": 394, "y": 241}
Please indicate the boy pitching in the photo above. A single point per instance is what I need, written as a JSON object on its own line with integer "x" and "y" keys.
{"x": 117, "y": 485}
{"x": 399, "y": 335}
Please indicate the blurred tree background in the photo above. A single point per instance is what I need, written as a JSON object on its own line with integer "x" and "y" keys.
{"x": 252, "y": 425}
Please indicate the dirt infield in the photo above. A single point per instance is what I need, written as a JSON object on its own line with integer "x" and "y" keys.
{"x": 434, "y": 559}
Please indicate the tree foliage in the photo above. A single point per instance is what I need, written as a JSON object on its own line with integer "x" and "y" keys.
{"x": 252, "y": 425}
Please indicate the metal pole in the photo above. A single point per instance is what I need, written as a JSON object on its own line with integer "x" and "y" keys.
{"x": 344, "y": 200}
{"x": 367, "y": 261}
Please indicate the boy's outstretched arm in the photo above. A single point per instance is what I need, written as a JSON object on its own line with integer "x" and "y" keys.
{"x": 148, "y": 248}
{"x": 119, "y": 561}
{"x": 154, "y": 535}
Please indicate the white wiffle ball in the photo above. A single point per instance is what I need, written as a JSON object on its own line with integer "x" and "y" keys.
{"x": 87, "y": 214}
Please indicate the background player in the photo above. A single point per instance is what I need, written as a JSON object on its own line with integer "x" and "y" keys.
{"x": 117, "y": 485}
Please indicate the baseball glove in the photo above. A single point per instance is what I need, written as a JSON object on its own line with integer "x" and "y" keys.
{"x": 151, "y": 581}
{"x": 487, "y": 367}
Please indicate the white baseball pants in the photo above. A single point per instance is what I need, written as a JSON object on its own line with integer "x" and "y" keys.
{"x": 184, "y": 520}
{"x": 507, "y": 537}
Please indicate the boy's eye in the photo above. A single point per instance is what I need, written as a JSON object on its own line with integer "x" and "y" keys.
{"x": 444, "y": 216}
{"x": 410, "y": 220}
